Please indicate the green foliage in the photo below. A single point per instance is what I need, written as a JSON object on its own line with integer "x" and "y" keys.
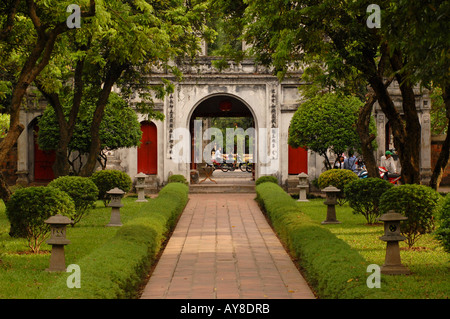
{"x": 265, "y": 179}
{"x": 443, "y": 231}
{"x": 338, "y": 178}
{"x": 417, "y": 202}
{"x": 330, "y": 265}
{"x": 107, "y": 179}
{"x": 4, "y": 125}
{"x": 363, "y": 195}
{"x": 119, "y": 127}
{"x": 177, "y": 179}
{"x": 117, "y": 268}
{"x": 326, "y": 122}
{"x": 82, "y": 190}
{"x": 29, "y": 207}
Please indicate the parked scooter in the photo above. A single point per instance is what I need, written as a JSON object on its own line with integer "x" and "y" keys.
{"x": 384, "y": 173}
{"x": 362, "y": 170}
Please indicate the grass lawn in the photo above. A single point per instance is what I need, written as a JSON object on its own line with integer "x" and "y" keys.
{"x": 427, "y": 260}
{"x": 23, "y": 275}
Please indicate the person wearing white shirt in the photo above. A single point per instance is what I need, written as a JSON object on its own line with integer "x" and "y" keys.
{"x": 387, "y": 161}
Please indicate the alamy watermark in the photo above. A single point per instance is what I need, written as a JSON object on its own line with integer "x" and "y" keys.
{"x": 74, "y": 20}
{"x": 263, "y": 145}
{"x": 374, "y": 19}
{"x": 74, "y": 280}
{"x": 374, "y": 279}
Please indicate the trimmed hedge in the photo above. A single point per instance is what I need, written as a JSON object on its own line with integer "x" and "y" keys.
{"x": 177, "y": 179}
{"x": 28, "y": 209}
{"x": 364, "y": 195}
{"x": 443, "y": 231}
{"x": 417, "y": 202}
{"x": 330, "y": 265}
{"x": 265, "y": 179}
{"x": 107, "y": 179}
{"x": 116, "y": 269}
{"x": 82, "y": 190}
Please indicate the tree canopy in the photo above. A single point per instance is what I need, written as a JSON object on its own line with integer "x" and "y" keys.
{"x": 119, "y": 128}
{"x": 333, "y": 36}
{"x": 326, "y": 122}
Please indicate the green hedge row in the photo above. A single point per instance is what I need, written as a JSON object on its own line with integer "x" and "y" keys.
{"x": 331, "y": 267}
{"x": 116, "y": 269}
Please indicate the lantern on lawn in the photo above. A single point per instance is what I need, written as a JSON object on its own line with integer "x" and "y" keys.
{"x": 392, "y": 264}
{"x": 331, "y": 193}
{"x": 140, "y": 187}
{"x": 58, "y": 240}
{"x": 303, "y": 185}
{"x": 116, "y": 195}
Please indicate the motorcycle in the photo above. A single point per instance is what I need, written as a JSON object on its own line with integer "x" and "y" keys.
{"x": 384, "y": 173}
{"x": 362, "y": 170}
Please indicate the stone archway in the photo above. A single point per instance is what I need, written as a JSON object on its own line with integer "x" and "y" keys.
{"x": 223, "y": 107}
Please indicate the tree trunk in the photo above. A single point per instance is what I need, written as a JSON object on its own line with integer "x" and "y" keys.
{"x": 409, "y": 151}
{"x": 406, "y": 143}
{"x": 443, "y": 158}
{"x": 362, "y": 127}
{"x": 34, "y": 64}
{"x": 112, "y": 76}
{"x": 61, "y": 167}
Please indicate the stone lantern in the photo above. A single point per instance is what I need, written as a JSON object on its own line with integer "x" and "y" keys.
{"x": 303, "y": 185}
{"x": 392, "y": 264}
{"x": 140, "y": 187}
{"x": 58, "y": 240}
{"x": 332, "y": 193}
{"x": 116, "y": 195}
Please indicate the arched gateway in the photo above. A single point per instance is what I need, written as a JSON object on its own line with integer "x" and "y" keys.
{"x": 245, "y": 90}
{"x": 250, "y": 91}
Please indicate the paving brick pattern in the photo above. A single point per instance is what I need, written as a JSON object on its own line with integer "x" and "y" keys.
{"x": 223, "y": 248}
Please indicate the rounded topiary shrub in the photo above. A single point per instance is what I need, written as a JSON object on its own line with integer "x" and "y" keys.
{"x": 265, "y": 179}
{"x": 107, "y": 179}
{"x": 443, "y": 231}
{"x": 338, "y": 178}
{"x": 363, "y": 195}
{"x": 177, "y": 179}
{"x": 417, "y": 202}
{"x": 29, "y": 207}
{"x": 82, "y": 190}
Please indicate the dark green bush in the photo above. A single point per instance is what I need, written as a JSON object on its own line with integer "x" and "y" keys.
{"x": 443, "y": 231}
{"x": 338, "y": 178}
{"x": 177, "y": 179}
{"x": 107, "y": 179}
{"x": 417, "y": 202}
{"x": 265, "y": 179}
{"x": 363, "y": 195}
{"x": 117, "y": 269}
{"x": 327, "y": 261}
{"x": 82, "y": 190}
{"x": 29, "y": 207}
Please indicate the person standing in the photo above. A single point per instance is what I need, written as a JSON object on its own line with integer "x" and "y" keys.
{"x": 350, "y": 162}
{"x": 339, "y": 163}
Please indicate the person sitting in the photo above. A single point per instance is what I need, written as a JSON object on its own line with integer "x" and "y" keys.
{"x": 387, "y": 161}
{"x": 218, "y": 155}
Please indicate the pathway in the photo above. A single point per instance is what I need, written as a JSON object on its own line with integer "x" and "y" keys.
{"x": 223, "y": 248}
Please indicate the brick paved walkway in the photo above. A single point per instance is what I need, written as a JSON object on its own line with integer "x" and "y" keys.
{"x": 224, "y": 248}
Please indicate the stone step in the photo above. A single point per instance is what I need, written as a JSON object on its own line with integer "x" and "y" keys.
{"x": 210, "y": 187}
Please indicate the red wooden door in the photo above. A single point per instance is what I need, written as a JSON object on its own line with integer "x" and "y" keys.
{"x": 298, "y": 160}
{"x": 148, "y": 150}
{"x": 43, "y": 161}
